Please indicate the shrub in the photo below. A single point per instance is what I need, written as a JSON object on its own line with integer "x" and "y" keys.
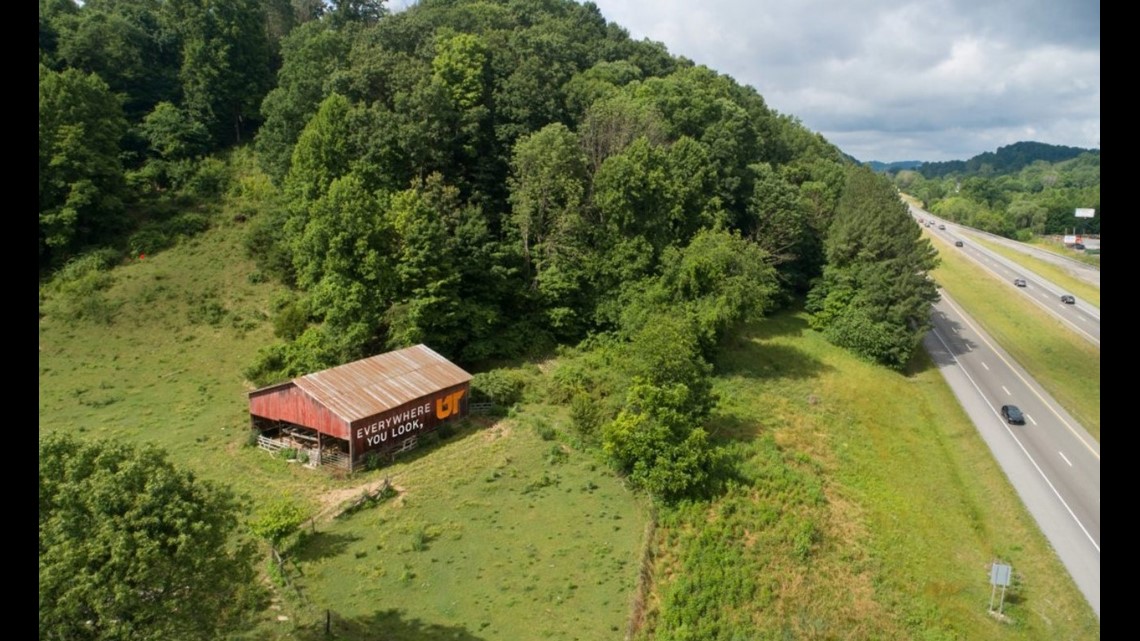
{"x": 544, "y": 430}
{"x": 187, "y": 224}
{"x": 501, "y": 387}
{"x": 290, "y": 321}
{"x": 147, "y": 240}
{"x": 209, "y": 181}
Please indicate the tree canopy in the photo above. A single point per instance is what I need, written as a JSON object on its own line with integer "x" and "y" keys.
{"x": 132, "y": 547}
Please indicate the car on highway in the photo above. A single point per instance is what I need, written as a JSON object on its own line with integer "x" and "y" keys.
{"x": 1068, "y": 299}
{"x": 1020, "y": 282}
{"x": 1012, "y": 415}
{"x": 942, "y": 226}
{"x": 957, "y": 243}
{"x": 1079, "y": 247}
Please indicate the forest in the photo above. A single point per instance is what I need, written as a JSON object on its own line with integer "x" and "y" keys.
{"x": 488, "y": 177}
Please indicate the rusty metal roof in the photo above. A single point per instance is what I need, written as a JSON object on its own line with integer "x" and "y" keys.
{"x": 383, "y": 382}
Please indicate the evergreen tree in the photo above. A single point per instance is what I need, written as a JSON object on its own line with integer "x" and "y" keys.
{"x": 875, "y": 294}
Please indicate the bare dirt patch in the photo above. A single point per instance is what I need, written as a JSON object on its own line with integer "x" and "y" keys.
{"x": 333, "y": 501}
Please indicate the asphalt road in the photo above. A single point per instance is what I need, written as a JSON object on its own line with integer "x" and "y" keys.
{"x": 1052, "y": 462}
{"x": 1082, "y": 317}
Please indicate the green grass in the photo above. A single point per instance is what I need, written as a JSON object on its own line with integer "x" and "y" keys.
{"x": 491, "y": 536}
{"x": 1051, "y": 244}
{"x": 1064, "y": 363}
{"x": 1080, "y": 288}
{"x": 913, "y": 509}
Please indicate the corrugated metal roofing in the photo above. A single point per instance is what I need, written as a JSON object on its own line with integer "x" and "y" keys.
{"x": 383, "y": 382}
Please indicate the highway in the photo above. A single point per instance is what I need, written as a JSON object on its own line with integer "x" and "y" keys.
{"x": 1052, "y": 462}
{"x": 1082, "y": 317}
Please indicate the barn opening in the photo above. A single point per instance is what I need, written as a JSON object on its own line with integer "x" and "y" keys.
{"x": 374, "y": 407}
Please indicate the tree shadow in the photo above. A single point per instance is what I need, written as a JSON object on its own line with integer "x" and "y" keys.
{"x": 748, "y": 354}
{"x": 321, "y": 545}
{"x": 386, "y": 625}
{"x": 942, "y": 346}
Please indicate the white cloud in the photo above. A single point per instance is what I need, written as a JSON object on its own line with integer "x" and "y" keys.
{"x": 886, "y": 81}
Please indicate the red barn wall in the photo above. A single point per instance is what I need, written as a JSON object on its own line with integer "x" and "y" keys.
{"x": 289, "y": 403}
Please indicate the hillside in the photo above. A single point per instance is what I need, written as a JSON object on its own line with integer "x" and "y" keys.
{"x": 1009, "y": 159}
{"x": 698, "y": 321}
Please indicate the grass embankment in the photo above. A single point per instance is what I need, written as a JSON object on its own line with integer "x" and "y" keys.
{"x": 1051, "y": 244}
{"x": 1065, "y": 364}
{"x": 872, "y": 509}
{"x": 1053, "y": 273}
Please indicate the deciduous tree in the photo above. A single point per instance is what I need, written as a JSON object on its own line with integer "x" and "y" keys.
{"x": 132, "y": 547}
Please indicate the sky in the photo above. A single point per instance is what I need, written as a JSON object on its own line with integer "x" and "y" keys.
{"x": 891, "y": 80}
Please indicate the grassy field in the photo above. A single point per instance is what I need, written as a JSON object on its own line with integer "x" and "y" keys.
{"x": 867, "y": 506}
{"x": 1065, "y": 364}
{"x": 913, "y": 507}
{"x": 1049, "y": 271}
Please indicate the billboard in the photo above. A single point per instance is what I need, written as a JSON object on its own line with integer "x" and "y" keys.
{"x": 1070, "y": 239}
{"x": 1085, "y": 213}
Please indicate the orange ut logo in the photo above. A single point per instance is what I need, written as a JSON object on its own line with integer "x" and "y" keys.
{"x": 449, "y": 404}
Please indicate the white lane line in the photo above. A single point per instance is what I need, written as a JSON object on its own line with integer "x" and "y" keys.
{"x": 1018, "y": 441}
{"x": 1031, "y": 419}
{"x": 985, "y": 366}
{"x": 1006, "y": 391}
{"x": 962, "y": 317}
{"x": 1063, "y": 457}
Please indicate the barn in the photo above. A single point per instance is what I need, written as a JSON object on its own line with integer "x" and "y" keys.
{"x": 377, "y": 406}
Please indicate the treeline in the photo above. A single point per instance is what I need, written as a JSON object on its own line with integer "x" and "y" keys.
{"x": 1017, "y": 192}
{"x": 1009, "y": 159}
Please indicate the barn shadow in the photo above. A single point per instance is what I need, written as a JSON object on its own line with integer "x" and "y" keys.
{"x": 385, "y": 625}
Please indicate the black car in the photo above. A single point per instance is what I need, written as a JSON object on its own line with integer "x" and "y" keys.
{"x": 1020, "y": 282}
{"x": 1012, "y": 415}
{"x": 957, "y": 243}
{"x": 942, "y": 226}
{"x": 1078, "y": 247}
{"x": 1068, "y": 299}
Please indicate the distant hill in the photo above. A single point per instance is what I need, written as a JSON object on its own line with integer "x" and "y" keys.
{"x": 1006, "y": 160}
{"x": 881, "y": 167}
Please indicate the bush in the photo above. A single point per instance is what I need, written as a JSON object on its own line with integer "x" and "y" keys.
{"x": 290, "y": 321}
{"x": 148, "y": 240}
{"x": 186, "y": 225}
{"x": 210, "y": 180}
{"x": 501, "y": 387}
{"x": 586, "y": 414}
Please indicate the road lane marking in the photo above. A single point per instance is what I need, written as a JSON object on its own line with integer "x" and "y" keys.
{"x": 1004, "y": 389}
{"x": 985, "y": 366}
{"x": 1066, "y": 460}
{"x": 1018, "y": 441}
{"x": 966, "y": 320}
{"x": 1031, "y": 419}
